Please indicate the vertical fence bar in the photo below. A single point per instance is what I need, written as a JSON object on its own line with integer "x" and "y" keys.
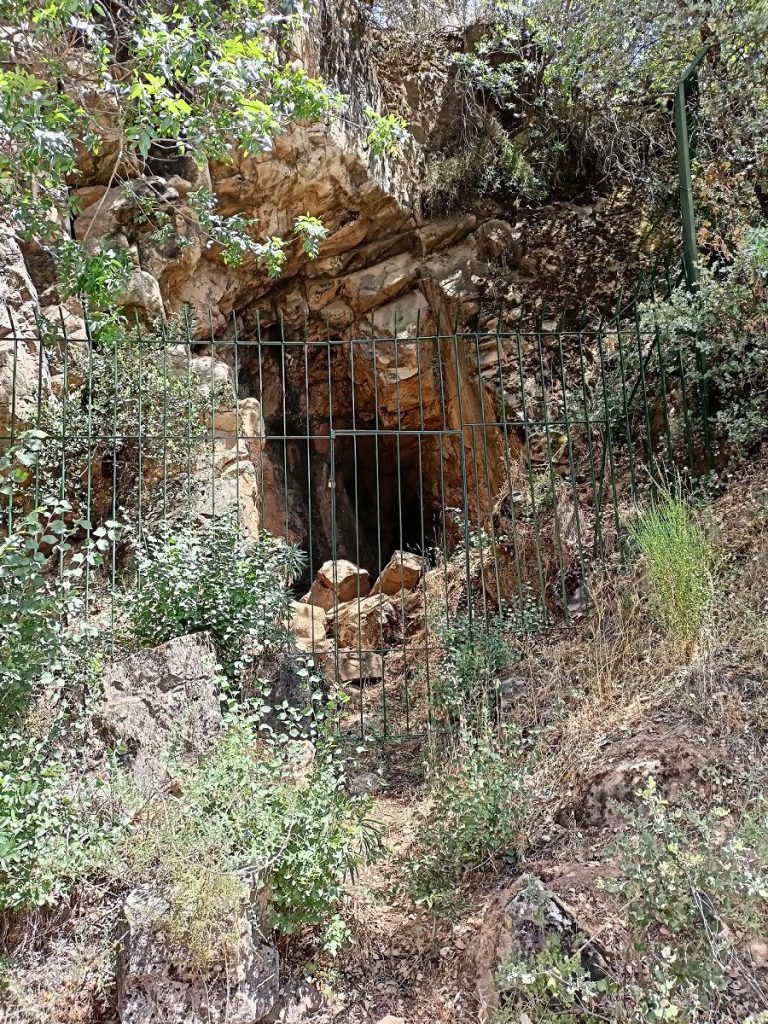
{"x": 508, "y": 467}
{"x": 571, "y": 466}
{"x": 12, "y": 422}
{"x": 597, "y": 543}
{"x": 529, "y": 467}
{"x": 550, "y": 464}
{"x": 607, "y": 439}
{"x": 488, "y": 486}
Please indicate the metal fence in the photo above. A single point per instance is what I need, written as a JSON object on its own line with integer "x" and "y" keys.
{"x": 472, "y": 476}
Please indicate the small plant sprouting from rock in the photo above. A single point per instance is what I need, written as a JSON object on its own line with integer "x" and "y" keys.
{"x": 386, "y": 132}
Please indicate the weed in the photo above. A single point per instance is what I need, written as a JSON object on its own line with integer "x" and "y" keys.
{"x": 679, "y": 562}
{"x": 552, "y": 985}
{"x": 684, "y": 874}
{"x": 474, "y": 652}
{"x": 239, "y": 822}
{"x": 479, "y": 806}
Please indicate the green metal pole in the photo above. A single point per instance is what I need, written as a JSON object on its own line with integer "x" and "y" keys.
{"x": 690, "y": 248}
{"x": 683, "y": 145}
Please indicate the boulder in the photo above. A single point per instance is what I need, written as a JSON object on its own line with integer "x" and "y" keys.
{"x": 454, "y": 281}
{"x": 308, "y": 625}
{"x": 25, "y": 383}
{"x": 402, "y": 572}
{"x": 155, "y": 986}
{"x": 364, "y": 625}
{"x": 408, "y": 316}
{"x": 24, "y": 375}
{"x": 497, "y": 239}
{"x": 337, "y": 582}
{"x": 357, "y": 666}
{"x": 161, "y": 696}
{"x": 142, "y": 295}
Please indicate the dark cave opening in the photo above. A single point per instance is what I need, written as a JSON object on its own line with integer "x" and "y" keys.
{"x": 385, "y": 497}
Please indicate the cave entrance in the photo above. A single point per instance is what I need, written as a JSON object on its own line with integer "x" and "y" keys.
{"x": 393, "y": 490}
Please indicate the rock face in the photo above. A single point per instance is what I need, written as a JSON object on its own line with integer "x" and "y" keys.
{"x": 155, "y": 988}
{"x": 159, "y": 696}
{"x": 25, "y": 379}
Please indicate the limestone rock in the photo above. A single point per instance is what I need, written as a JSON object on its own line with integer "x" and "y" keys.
{"x": 337, "y": 582}
{"x": 405, "y": 317}
{"x": 155, "y": 986}
{"x": 25, "y": 378}
{"x": 376, "y": 285}
{"x": 363, "y": 624}
{"x": 354, "y": 666}
{"x": 224, "y": 486}
{"x": 437, "y": 234}
{"x": 142, "y": 295}
{"x": 25, "y": 382}
{"x": 453, "y": 282}
{"x": 402, "y": 572}
{"x": 496, "y": 239}
{"x": 161, "y": 695}
{"x": 308, "y": 626}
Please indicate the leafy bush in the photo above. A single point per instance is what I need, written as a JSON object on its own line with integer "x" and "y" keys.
{"x": 48, "y": 835}
{"x": 720, "y": 334}
{"x": 480, "y": 802}
{"x": 678, "y": 559}
{"x": 46, "y": 831}
{"x": 215, "y": 581}
{"x": 488, "y": 167}
{"x": 240, "y": 820}
{"x": 552, "y": 986}
{"x": 474, "y": 652}
{"x": 42, "y": 611}
{"x": 119, "y": 390}
{"x": 682, "y": 877}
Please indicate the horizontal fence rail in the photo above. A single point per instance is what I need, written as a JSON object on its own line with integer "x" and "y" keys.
{"x": 472, "y": 476}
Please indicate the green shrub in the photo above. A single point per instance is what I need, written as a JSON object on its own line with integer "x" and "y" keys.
{"x": 49, "y": 836}
{"x": 474, "y": 653}
{"x": 488, "y": 167}
{"x": 683, "y": 876}
{"x": 240, "y": 820}
{"x": 720, "y": 335}
{"x": 679, "y": 561}
{"x": 44, "y": 562}
{"x": 552, "y": 986}
{"x": 479, "y": 805}
{"x": 215, "y": 581}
